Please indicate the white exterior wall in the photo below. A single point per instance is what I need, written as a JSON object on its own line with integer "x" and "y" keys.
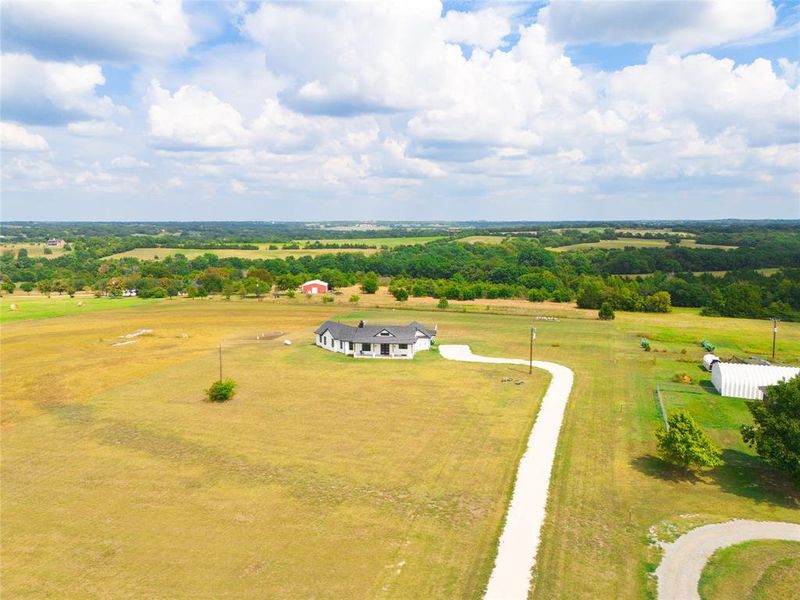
{"x": 745, "y": 381}
{"x": 327, "y": 342}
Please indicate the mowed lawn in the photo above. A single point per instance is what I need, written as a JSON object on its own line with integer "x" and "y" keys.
{"x": 324, "y": 477}
{"x": 29, "y": 307}
{"x": 757, "y": 570}
{"x": 265, "y": 252}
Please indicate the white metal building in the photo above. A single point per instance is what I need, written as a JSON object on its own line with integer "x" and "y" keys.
{"x": 747, "y": 381}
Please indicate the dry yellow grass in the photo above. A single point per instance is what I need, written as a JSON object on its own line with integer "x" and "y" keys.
{"x": 324, "y": 477}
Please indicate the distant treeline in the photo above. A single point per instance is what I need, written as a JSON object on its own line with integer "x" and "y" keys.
{"x": 516, "y": 268}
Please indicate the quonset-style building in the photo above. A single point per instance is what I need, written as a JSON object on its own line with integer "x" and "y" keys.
{"x": 375, "y": 341}
{"x": 748, "y": 381}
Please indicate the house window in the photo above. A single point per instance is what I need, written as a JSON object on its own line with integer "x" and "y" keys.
{"x": 403, "y": 346}
{"x": 366, "y": 347}
{"x": 350, "y": 346}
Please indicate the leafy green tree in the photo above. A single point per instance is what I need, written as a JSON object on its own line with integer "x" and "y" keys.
{"x": 354, "y": 298}
{"x": 9, "y": 287}
{"x": 775, "y": 431}
{"x": 443, "y": 303}
{"x": 221, "y": 391}
{"x": 400, "y": 294}
{"x": 591, "y": 293}
{"x": 48, "y": 250}
{"x": 606, "y": 312}
{"x": 369, "y": 285}
{"x": 660, "y": 302}
{"x": 45, "y": 286}
{"x": 685, "y": 444}
{"x": 26, "y": 286}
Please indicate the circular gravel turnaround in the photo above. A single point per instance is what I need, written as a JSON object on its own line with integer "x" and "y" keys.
{"x": 684, "y": 559}
{"x": 519, "y": 542}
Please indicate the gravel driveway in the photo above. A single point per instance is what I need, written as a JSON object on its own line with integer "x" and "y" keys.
{"x": 684, "y": 559}
{"x": 519, "y": 542}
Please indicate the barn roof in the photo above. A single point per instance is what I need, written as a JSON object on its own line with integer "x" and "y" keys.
{"x": 317, "y": 281}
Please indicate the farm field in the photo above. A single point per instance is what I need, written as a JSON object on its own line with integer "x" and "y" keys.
{"x": 265, "y": 252}
{"x": 41, "y": 307}
{"x": 156, "y": 482}
{"x": 758, "y": 570}
{"x": 483, "y": 239}
{"x": 34, "y": 250}
{"x": 637, "y": 243}
{"x": 313, "y": 481}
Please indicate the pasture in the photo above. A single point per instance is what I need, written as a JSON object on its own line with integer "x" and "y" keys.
{"x": 264, "y": 250}
{"x": 332, "y": 477}
{"x": 34, "y": 250}
{"x": 636, "y": 243}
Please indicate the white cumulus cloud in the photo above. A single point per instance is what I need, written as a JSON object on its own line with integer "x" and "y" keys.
{"x": 192, "y": 119}
{"x": 16, "y": 138}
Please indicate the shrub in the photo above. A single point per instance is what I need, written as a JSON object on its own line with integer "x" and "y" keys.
{"x": 400, "y": 294}
{"x": 290, "y": 294}
{"x": 9, "y": 287}
{"x": 26, "y": 286}
{"x": 48, "y": 250}
{"x": 327, "y": 299}
{"x": 606, "y": 312}
{"x": 443, "y": 303}
{"x": 686, "y": 444}
{"x": 354, "y": 298}
{"x": 221, "y": 391}
{"x": 370, "y": 283}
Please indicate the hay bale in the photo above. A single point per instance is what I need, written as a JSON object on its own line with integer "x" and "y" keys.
{"x": 13, "y": 306}
{"x": 287, "y": 342}
{"x": 80, "y": 302}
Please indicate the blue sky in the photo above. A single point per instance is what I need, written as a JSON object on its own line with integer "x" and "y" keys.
{"x": 420, "y": 110}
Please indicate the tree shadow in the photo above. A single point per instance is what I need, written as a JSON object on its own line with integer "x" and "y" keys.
{"x": 660, "y": 469}
{"x": 750, "y": 477}
{"x": 708, "y": 386}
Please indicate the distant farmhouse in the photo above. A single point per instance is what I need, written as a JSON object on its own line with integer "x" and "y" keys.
{"x": 315, "y": 286}
{"x": 55, "y": 242}
{"x": 375, "y": 341}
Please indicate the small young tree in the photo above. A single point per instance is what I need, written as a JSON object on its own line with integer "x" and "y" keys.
{"x": 354, "y": 298}
{"x": 775, "y": 432}
{"x": 685, "y": 444}
{"x": 400, "y": 294}
{"x": 606, "y": 312}
{"x": 369, "y": 285}
{"x": 221, "y": 391}
{"x": 9, "y": 287}
{"x": 443, "y": 303}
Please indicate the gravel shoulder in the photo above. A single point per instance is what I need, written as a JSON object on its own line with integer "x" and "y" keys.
{"x": 519, "y": 541}
{"x": 684, "y": 559}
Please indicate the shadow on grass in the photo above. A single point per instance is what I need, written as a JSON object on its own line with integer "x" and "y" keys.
{"x": 742, "y": 474}
{"x": 656, "y": 467}
{"x": 750, "y": 477}
{"x": 708, "y": 387}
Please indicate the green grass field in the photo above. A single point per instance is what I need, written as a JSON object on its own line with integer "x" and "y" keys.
{"x": 40, "y": 307}
{"x": 331, "y": 477}
{"x": 265, "y": 252}
{"x": 759, "y": 570}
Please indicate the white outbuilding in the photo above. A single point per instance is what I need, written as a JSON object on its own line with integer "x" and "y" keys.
{"x": 709, "y": 360}
{"x": 748, "y": 381}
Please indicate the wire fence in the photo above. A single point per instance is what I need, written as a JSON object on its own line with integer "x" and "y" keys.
{"x": 661, "y": 406}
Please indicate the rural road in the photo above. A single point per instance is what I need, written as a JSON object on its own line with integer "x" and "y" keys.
{"x": 519, "y": 542}
{"x": 684, "y": 559}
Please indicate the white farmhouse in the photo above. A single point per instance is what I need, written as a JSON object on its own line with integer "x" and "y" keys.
{"x": 375, "y": 341}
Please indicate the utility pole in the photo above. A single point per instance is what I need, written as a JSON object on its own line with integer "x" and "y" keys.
{"x": 220, "y": 362}
{"x": 774, "y": 335}
{"x": 530, "y": 359}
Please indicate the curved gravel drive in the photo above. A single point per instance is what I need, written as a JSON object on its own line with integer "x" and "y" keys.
{"x": 684, "y": 559}
{"x": 519, "y": 542}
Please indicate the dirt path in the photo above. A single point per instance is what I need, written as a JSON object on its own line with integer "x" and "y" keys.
{"x": 684, "y": 559}
{"x": 519, "y": 542}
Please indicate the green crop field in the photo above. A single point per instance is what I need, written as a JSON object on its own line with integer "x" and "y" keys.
{"x": 41, "y": 307}
{"x": 332, "y": 477}
{"x": 759, "y": 570}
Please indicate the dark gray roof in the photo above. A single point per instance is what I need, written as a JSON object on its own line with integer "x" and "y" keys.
{"x": 370, "y": 334}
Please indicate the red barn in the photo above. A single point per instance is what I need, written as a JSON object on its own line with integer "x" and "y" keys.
{"x": 315, "y": 286}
